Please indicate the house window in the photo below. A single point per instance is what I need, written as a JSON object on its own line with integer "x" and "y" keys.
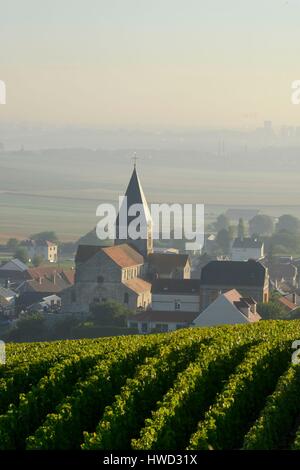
{"x": 177, "y": 305}
{"x": 144, "y": 327}
{"x": 133, "y": 325}
{"x": 73, "y": 296}
{"x": 162, "y": 327}
{"x": 100, "y": 279}
{"x": 126, "y": 298}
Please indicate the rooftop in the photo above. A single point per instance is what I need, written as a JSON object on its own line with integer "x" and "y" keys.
{"x": 165, "y": 263}
{"x": 233, "y": 273}
{"x": 178, "y": 286}
{"x": 247, "y": 242}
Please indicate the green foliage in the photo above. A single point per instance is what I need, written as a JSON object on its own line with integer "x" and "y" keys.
{"x": 222, "y": 222}
{"x": 22, "y": 254}
{"x": 223, "y": 240}
{"x": 272, "y": 310}
{"x": 261, "y": 225}
{"x": 30, "y": 327}
{"x": 37, "y": 260}
{"x": 225, "y": 387}
{"x": 288, "y": 223}
{"x": 12, "y": 244}
{"x": 241, "y": 230}
{"x": 109, "y": 313}
{"x": 48, "y": 235}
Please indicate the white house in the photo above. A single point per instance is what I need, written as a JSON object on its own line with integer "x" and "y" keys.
{"x": 154, "y": 321}
{"x": 176, "y": 295}
{"x": 43, "y": 248}
{"x": 243, "y": 249}
{"x": 229, "y": 308}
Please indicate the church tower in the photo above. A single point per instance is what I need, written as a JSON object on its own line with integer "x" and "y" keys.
{"x": 135, "y": 195}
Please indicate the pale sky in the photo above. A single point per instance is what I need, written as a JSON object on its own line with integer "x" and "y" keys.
{"x": 150, "y": 63}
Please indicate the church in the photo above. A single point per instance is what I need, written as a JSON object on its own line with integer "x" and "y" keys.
{"x": 125, "y": 271}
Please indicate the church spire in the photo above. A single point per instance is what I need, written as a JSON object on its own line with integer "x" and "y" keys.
{"x": 135, "y": 195}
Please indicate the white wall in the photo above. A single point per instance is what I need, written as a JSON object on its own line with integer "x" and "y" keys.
{"x": 243, "y": 254}
{"x": 166, "y": 302}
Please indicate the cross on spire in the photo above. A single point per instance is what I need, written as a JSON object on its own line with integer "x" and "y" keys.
{"x": 135, "y": 159}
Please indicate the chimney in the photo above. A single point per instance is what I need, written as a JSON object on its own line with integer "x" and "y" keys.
{"x": 294, "y": 298}
{"x": 40, "y": 280}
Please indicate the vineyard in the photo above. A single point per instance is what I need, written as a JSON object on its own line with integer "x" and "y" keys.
{"x": 229, "y": 387}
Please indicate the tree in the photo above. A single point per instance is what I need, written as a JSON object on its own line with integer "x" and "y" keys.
{"x": 12, "y": 244}
{"x": 29, "y": 327}
{"x": 289, "y": 223}
{"x": 45, "y": 236}
{"x": 241, "y": 231}
{"x": 223, "y": 240}
{"x": 286, "y": 242}
{"x": 272, "y": 311}
{"x": 261, "y": 225}
{"x": 232, "y": 232}
{"x": 37, "y": 260}
{"x": 109, "y": 313}
{"x": 222, "y": 222}
{"x": 22, "y": 254}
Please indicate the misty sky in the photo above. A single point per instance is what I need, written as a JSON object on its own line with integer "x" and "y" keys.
{"x": 150, "y": 63}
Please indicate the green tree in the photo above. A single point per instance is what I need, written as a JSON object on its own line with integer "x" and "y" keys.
{"x": 261, "y": 225}
{"x": 222, "y": 222}
{"x": 47, "y": 235}
{"x": 12, "y": 244}
{"x": 22, "y": 254}
{"x": 223, "y": 240}
{"x": 109, "y": 313}
{"x": 29, "y": 327}
{"x": 289, "y": 223}
{"x": 272, "y": 311}
{"x": 241, "y": 231}
{"x": 37, "y": 260}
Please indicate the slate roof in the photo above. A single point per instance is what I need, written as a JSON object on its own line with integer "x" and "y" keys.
{"x": 233, "y": 273}
{"x": 135, "y": 195}
{"x": 85, "y": 252}
{"x": 167, "y": 263}
{"x": 248, "y": 242}
{"x": 176, "y": 286}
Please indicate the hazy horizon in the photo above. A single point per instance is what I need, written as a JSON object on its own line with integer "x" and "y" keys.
{"x": 140, "y": 64}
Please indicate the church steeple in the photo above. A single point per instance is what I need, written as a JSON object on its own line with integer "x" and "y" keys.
{"x": 135, "y": 195}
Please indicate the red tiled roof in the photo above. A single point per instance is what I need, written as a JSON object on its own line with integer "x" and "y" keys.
{"x": 124, "y": 255}
{"x": 287, "y": 303}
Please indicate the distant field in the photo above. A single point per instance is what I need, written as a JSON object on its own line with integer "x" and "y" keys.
{"x": 24, "y": 214}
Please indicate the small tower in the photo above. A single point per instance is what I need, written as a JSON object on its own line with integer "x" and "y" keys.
{"x": 135, "y": 195}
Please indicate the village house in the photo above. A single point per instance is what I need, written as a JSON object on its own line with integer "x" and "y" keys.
{"x": 248, "y": 277}
{"x": 243, "y": 249}
{"x": 44, "y": 248}
{"x": 176, "y": 295}
{"x": 229, "y": 308}
{"x": 169, "y": 266}
{"x": 161, "y": 321}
